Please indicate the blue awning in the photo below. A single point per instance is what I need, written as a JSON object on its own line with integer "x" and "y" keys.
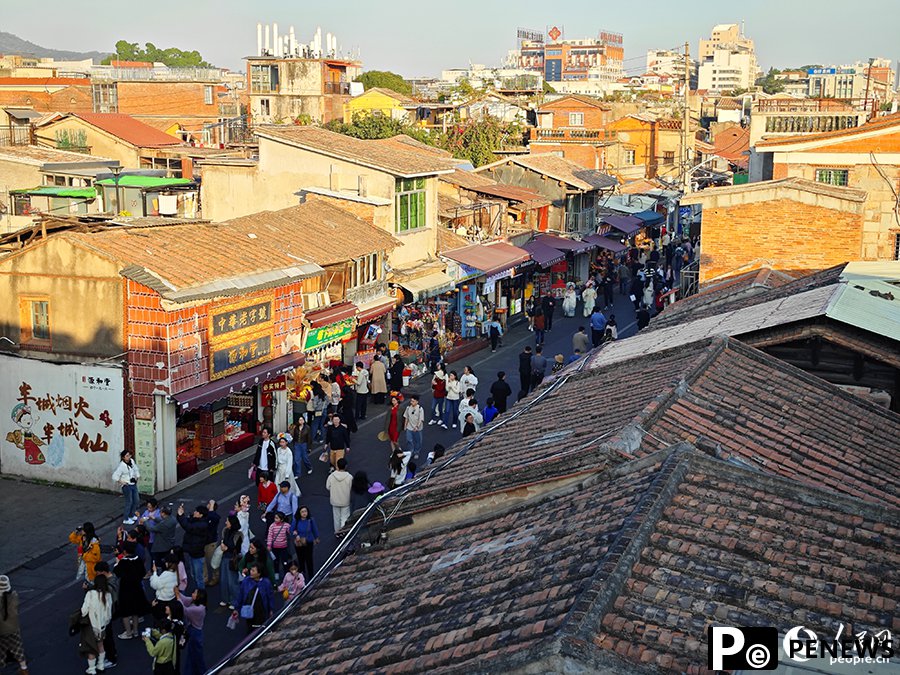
{"x": 650, "y": 217}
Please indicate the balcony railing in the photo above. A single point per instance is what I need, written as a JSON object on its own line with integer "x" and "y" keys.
{"x": 582, "y": 222}
{"x": 360, "y": 295}
{"x": 340, "y": 88}
{"x": 573, "y": 135}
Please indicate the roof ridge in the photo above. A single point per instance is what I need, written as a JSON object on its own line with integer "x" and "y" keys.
{"x": 615, "y": 567}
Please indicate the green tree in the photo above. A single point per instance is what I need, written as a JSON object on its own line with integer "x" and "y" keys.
{"x": 172, "y": 57}
{"x": 386, "y": 80}
{"x": 478, "y": 140}
{"x": 770, "y": 82}
{"x": 548, "y": 88}
{"x": 370, "y": 127}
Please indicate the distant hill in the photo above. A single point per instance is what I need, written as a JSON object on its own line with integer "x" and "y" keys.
{"x": 13, "y": 44}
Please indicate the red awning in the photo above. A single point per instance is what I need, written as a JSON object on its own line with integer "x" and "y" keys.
{"x": 371, "y": 311}
{"x": 234, "y": 384}
{"x": 489, "y": 258}
{"x": 322, "y": 317}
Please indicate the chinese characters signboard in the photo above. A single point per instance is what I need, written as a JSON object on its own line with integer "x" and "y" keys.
{"x": 62, "y": 422}
{"x": 145, "y": 455}
{"x": 227, "y": 359}
{"x": 229, "y": 319}
{"x": 316, "y": 337}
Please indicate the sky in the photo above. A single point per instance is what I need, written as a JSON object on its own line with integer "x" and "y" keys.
{"x": 420, "y": 40}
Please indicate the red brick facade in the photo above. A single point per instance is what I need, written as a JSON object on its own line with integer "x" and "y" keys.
{"x": 787, "y": 234}
{"x": 179, "y": 340}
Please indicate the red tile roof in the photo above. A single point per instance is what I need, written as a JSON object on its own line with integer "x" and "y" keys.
{"x": 732, "y": 144}
{"x": 734, "y": 397}
{"x": 621, "y": 572}
{"x": 129, "y": 129}
{"x": 54, "y": 81}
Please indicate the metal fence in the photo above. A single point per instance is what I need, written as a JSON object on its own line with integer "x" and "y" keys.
{"x": 583, "y": 222}
{"x": 690, "y": 279}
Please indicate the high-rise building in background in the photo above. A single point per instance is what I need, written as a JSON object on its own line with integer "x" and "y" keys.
{"x": 561, "y": 60}
{"x": 670, "y": 62}
{"x": 727, "y": 60}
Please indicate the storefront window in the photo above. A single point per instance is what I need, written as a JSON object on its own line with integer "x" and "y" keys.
{"x": 409, "y": 204}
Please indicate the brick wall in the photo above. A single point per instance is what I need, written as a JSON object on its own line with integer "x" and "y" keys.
{"x": 594, "y": 117}
{"x": 588, "y": 156}
{"x": 175, "y": 99}
{"x": 791, "y": 235}
{"x": 178, "y": 339}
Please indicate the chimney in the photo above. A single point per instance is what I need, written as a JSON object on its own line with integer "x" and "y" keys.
{"x": 259, "y": 39}
{"x": 275, "y": 44}
{"x": 267, "y": 38}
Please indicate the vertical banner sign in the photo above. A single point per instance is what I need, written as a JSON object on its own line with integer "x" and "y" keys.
{"x": 145, "y": 455}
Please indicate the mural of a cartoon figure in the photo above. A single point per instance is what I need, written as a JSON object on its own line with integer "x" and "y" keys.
{"x": 22, "y": 437}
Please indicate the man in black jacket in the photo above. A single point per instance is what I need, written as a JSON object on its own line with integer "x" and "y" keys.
{"x": 500, "y": 392}
{"x": 548, "y": 304}
{"x": 337, "y": 438}
{"x": 196, "y": 532}
{"x": 264, "y": 459}
{"x": 525, "y": 371}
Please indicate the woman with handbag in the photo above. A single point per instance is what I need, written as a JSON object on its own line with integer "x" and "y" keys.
{"x": 306, "y": 536}
{"x": 230, "y": 549}
{"x": 392, "y": 423}
{"x": 256, "y": 599}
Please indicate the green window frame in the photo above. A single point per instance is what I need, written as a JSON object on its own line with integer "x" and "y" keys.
{"x": 832, "y": 176}
{"x": 409, "y": 204}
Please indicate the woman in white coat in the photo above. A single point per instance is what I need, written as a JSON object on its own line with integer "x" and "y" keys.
{"x": 284, "y": 463}
{"x": 97, "y": 609}
{"x": 467, "y": 381}
{"x": 589, "y": 295}
{"x": 570, "y": 299}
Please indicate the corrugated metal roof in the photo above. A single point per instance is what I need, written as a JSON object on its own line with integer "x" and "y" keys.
{"x": 869, "y": 304}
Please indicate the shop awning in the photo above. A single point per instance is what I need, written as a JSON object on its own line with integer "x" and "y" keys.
{"x": 562, "y": 244}
{"x": 372, "y": 310}
{"x": 625, "y": 224}
{"x": 234, "y": 384}
{"x": 650, "y": 217}
{"x": 322, "y": 317}
{"x": 489, "y": 258}
{"x": 542, "y": 254}
{"x": 428, "y": 286}
{"x": 605, "y": 242}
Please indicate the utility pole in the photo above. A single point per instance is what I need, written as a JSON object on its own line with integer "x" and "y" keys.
{"x": 868, "y": 80}
{"x": 686, "y": 143}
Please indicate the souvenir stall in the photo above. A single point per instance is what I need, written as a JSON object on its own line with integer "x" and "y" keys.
{"x": 415, "y": 323}
{"x": 374, "y": 325}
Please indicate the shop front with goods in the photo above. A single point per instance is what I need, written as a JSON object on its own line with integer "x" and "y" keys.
{"x": 374, "y": 324}
{"x": 427, "y": 304}
{"x": 224, "y": 415}
{"x": 486, "y": 284}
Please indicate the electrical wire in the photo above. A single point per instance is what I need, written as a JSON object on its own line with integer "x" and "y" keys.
{"x": 401, "y": 493}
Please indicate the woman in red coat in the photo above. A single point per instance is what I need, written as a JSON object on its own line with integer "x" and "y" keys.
{"x": 392, "y": 424}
